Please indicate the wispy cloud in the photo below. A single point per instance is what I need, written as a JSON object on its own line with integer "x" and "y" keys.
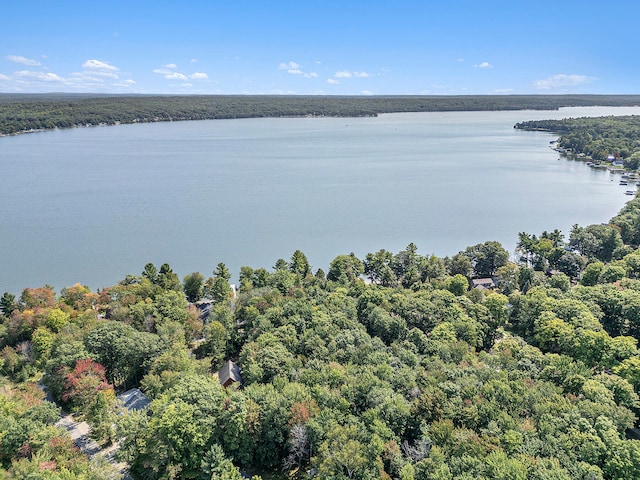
{"x": 483, "y": 65}
{"x": 562, "y": 80}
{"x": 125, "y": 83}
{"x": 294, "y": 68}
{"x": 23, "y": 60}
{"x": 42, "y": 76}
{"x": 99, "y": 66}
{"x": 289, "y": 66}
{"x": 333, "y": 81}
{"x": 170, "y": 72}
{"x": 175, "y": 76}
{"x": 350, "y": 74}
{"x": 93, "y": 76}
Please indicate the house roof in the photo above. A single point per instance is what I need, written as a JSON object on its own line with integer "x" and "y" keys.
{"x": 230, "y": 372}
{"x": 483, "y": 283}
{"x": 134, "y": 399}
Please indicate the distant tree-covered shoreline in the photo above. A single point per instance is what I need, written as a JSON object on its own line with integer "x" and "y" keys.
{"x": 597, "y": 138}
{"x": 21, "y": 113}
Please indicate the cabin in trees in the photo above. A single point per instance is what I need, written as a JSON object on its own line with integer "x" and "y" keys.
{"x": 483, "y": 283}
{"x": 133, "y": 399}
{"x": 229, "y": 374}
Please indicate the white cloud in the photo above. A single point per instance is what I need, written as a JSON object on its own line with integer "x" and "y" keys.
{"x": 366, "y": 92}
{"x": 23, "y": 60}
{"x": 483, "y": 65}
{"x": 170, "y": 74}
{"x": 294, "y": 69}
{"x": 98, "y": 65}
{"x": 349, "y": 74}
{"x": 193, "y": 60}
{"x": 84, "y": 77}
{"x": 46, "y": 77}
{"x": 102, "y": 73}
{"x": 562, "y": 80}
{"x": 175, "y": 76}
{"x": 3, "y": 77}
{"x": 289, "y": 66}
{"x": 333, "y": 81}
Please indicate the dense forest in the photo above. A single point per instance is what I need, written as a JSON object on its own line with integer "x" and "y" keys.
{"x": 393, "y": 366}
{"x": 21, "y": 113}
{"x": 598, "y": 138}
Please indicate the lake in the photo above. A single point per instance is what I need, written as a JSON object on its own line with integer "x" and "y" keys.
{"x": 92, "y": 205}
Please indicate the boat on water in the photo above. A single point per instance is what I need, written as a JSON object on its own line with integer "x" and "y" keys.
{"x": 629, "y": 192}
{"x": 623, "y": 182}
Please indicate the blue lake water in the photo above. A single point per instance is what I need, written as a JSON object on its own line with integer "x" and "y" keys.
{"x": 91, "y": 205}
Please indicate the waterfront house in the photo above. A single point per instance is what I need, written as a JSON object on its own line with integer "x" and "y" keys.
{"x": 484, "y": 283}
{"x": 133, "y": 399}
{"x": 229, "y": 374}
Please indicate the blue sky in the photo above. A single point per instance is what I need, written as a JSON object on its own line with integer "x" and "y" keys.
{"x": 321, "y": 47}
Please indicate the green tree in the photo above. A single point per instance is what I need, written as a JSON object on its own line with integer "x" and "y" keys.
{"x": 167, "y": 279}
{"x": 150, "y": 272}
{"x": 378, "y": 267}
{"x": 299, "y": 265}
{"x": 217, "y": 288}
{"x": 571, "y": 264}
{"x": 343, "y": 455}
{"x": 460, "y": 264}
{"x": 486, "y": 258}
{"x": 246, "y": 278}
{"x": 458, "y": 284}
{"x": 192, "y": 286}
{"x": 345, "y": 269}
{"x": 591, "y": 273}
{"x": 56, "y": 319}
{"x": 7, "y": 304}
{"x": 123, "y": 351}
{"x": 215, "y": 466}
{"x": 560, "y": 281}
